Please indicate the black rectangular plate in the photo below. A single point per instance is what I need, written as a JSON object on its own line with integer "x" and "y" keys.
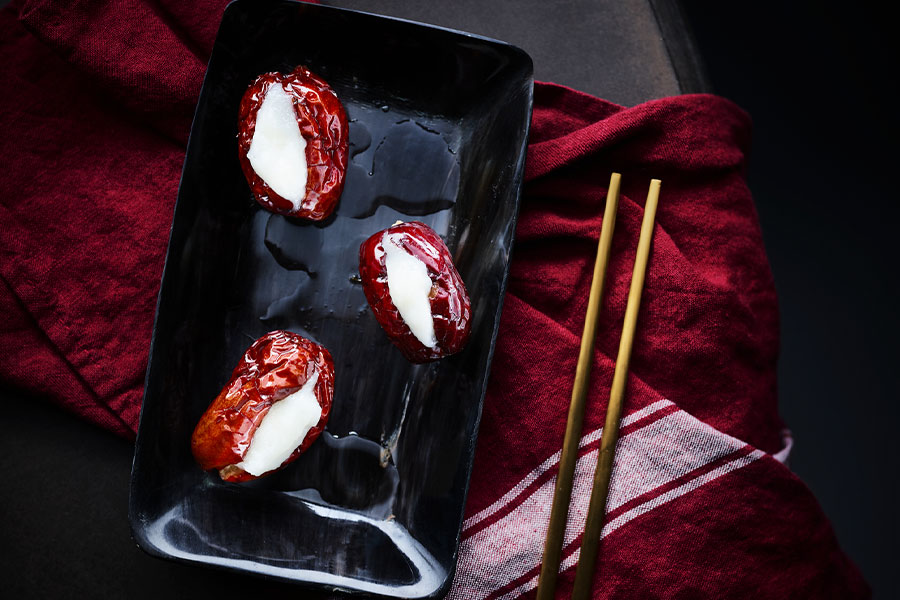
{"x": 438, "y": 128}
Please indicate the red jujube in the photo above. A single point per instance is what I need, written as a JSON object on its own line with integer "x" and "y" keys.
{"x": 275, "y": 366}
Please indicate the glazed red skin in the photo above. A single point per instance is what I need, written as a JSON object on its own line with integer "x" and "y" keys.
{"x": 450, "y": 306}
{"x": 276, "y": 365}
{"x": 323, "y": 124}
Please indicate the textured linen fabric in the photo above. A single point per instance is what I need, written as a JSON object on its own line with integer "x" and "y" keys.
{"x": 96, "y": 109}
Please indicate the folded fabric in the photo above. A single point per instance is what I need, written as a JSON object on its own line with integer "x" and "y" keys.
{"x": 701, "y": 504}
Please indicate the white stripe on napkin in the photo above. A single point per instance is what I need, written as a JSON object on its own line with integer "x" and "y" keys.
{"x": 647, "y": 459}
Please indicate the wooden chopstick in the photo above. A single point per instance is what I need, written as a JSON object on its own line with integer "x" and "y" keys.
{"x": 584, "y": 574}
{"x": 560, "y": 509}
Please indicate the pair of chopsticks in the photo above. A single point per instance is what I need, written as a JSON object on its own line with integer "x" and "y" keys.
{"x": 563, "y": 493}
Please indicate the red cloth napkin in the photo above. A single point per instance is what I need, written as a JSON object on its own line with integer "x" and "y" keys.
{"x": 96, "y": 112}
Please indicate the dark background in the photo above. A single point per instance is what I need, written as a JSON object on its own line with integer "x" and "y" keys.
{"x": 818, "y": 80}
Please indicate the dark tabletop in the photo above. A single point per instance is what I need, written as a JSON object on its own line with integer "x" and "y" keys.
{"x": 815, "y": 79}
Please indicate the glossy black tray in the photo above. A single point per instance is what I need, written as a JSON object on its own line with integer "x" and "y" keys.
{"x": 439, "y": 122}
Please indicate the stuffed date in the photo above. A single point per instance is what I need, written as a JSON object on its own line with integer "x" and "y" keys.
{"x": 415, "y": 291}
{"x": 293, "y": 143}
{"x": 271, "y": 410}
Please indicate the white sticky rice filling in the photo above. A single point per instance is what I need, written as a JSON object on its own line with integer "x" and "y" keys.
{"x": 278, "y": 150}
{"x": 409, "y": 286}
{"x": 282, "y": 429}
